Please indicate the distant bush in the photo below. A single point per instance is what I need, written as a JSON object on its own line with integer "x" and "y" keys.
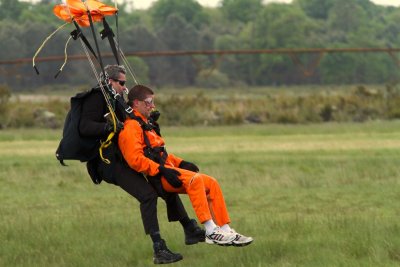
{"x": 356, "y": 104}
{"x": 212, "y": 79}
{"x": 186, "y": 110}
{"x": 46, "y": 114}
{"x": 4, "y": 98}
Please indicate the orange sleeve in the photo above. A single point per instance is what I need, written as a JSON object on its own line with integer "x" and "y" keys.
{"x": 174, "y": 160}
{"x": 131, "y": 144}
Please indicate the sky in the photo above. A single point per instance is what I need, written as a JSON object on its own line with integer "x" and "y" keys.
{"x": 143, "y": 4}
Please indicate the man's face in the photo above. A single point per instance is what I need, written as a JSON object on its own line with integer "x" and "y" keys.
{"x": 146, "y": 106}
{"x": 119, "y": 84}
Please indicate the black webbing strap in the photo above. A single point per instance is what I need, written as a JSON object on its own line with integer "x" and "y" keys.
{"x": 108, "y": 33}
{"x": 127, "y": 109}
{"x": 164, "y": 157}
{"x": 96, "y": 43}
{"x": 79, "y": 34}
{"x": 157, "y": 150}
{"x": 116, "y": 25}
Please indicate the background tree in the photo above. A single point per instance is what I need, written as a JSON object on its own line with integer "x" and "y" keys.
{"x": 139, "y": 38}
{"x": 281, "y": 26}
{"x": 389, "y": 30}
{"x": 179, "y": 35}
{"x": 10, "y": 9}
{"x": 234, "y": 25}
{"x": 241, "y": 10}
{"x": 190, "y": 10}
{"x": 346, "y": 16}
{"x": 316, "y": 9}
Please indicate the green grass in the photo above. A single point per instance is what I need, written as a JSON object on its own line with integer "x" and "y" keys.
{"x": 310, "y": 195}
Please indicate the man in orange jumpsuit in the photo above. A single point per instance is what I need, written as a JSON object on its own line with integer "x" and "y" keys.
{"x": 143, "y": 149}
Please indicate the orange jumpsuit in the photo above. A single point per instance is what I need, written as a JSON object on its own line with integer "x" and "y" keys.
{"x": 204, "y": 191}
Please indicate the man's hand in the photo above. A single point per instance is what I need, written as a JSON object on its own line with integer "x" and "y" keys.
{"x": 109, "y": 127}
{"x": 171, "y": 175}
{"x": 188, "y": 166}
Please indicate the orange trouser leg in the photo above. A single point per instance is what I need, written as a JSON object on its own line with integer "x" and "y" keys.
{"x": 202, "y": 189}
{"x": 217, "y": 200}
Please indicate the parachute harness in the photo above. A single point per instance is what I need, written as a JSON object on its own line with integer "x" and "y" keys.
{"x": 79, "y": 13}
{"x": 108, "y": 141}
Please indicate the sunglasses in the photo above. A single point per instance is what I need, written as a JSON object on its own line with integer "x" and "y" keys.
{"x": 122, "y": 83}
{"x": 148, "y": 101}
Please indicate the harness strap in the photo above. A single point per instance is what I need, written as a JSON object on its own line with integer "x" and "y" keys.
{"x": 107, "y": 32}
{"x": 145, "y": 127}
{"x": 127, "y": 109}
{"x": 148, "y": 127}
{"x": 164, "y": 157}
{"x": 106, "y": 144}
{"x": 100, "y": 61}
{"x": 79, "y": 34}
{"x": 108, "y": 141}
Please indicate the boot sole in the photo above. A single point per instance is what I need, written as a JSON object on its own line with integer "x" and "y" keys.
{"x": 166, "y": 261}
{"x": 242, "y": 244}
{"x": 194, "y": 241}
{"x": 230, "y": 244}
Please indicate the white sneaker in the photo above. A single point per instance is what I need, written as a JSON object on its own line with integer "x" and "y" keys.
{"x": 220, "y": 237}
{"x": 241, "y": 240}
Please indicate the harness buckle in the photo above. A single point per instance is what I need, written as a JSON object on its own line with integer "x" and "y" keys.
{"x": 75, "y": 34}
{"x": 115, "y": 94}
{"x": 129, "y": 109}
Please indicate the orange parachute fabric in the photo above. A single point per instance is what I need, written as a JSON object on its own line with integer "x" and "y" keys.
{"x": 78, "y": 11}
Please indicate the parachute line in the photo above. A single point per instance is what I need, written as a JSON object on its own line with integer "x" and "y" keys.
{"x": 65, "y": 58}
{"x": 43, "y": 44}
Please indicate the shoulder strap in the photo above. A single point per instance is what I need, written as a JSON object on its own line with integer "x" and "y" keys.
{"x": 147, "y": 127}
{"x": 127, "y": 109}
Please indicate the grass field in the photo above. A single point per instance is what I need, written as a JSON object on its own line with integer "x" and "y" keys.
{"x": 310, "y": 195}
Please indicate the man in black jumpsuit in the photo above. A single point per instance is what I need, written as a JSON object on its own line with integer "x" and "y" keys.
{"x": 93, "y": 124}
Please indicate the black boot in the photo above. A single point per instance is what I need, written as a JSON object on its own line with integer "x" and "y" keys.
{"x": 163, "y": 255}
{"x": 194, "y": 234}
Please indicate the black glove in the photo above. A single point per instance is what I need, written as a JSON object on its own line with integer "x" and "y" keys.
{"x": 109, "y": 127}
{"x": 171, "y": 175}
{"x": 188, "y": 166}
{"x": 154, "y": 115}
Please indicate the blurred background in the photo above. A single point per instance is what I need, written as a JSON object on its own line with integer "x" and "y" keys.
{"x": 292, "y": 61}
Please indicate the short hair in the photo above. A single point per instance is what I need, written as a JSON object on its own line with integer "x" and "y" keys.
{"x": 139, "y": 92}
{"x": 113, "y": 71}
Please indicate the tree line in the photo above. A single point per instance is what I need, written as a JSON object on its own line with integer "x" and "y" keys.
{"x": 235, "y": 24}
